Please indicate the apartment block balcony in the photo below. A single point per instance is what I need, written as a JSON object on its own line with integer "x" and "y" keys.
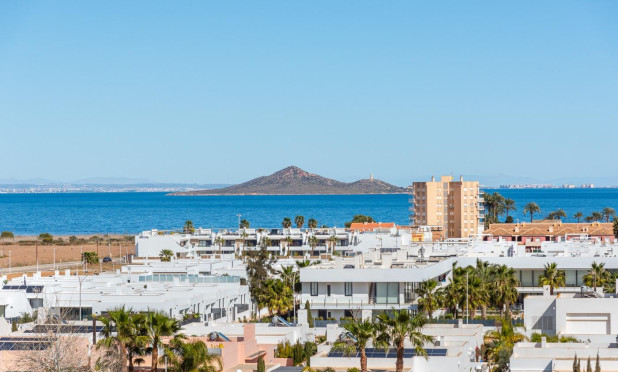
{"x": 321, "y": 303}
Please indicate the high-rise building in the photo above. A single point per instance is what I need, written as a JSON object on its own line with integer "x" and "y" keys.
{"x": 456, "y": 206}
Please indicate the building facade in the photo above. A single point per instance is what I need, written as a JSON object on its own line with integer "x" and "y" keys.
{"x": 456, "y": 206}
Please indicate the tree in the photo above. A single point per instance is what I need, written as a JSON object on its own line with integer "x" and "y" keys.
{"x": 309, "y": 315}
{"x": 356, "y": 337}
{"x": 588, "y": 365}
{"x": 188, "y": 228}
{"x": 428, "y": 298}
{"x": 159, "y": 325}
{"x": 312, "y": 223}
{"x": 124, "y": 330}
{"x": 299, "y": 221}
{"x": 286, "y": 223}
{"x": 7, "y": 235}
{"x": 495, "y": 206}
{"x": 500, "y": 343}
{"x": 259, "y": 268}
{"x": 597, "y": 366}
{"x": 333, "y": 242}
{"x": 261, "y": 367}
{"x": 556, "y": 215}
{"x": 219, "y": 240}
{"x": 531, "y": 208}
{"x": 46, "y": 238}
{"x": 395, "y": 328}
{"x": 552, "y": 277}
{"x": 277, "y": 296}
{"x": 578, "y": 216}
{"x": 244, "y": 224}
{"x": 597, "y": 275}
{"x": 90, "y": 257}
{"x": 166, "y": 255}
{"x": 288, "y": 243}
{"x": 191, "y": 356}
{"x": 504, "y": 287}
{"x": 313, "y": 242}
{"x": 616, "y": 228}
{"x": 57, "y": 350}
{"x": 359, "y": 218}
{"x": 609, "y": 213}
{"x": 575, "y": 366}
{"x": 597, "y": 216}
{"x": 509, "y": 205}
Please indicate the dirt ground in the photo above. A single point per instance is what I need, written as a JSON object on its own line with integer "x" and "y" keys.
{"x": 25, "y": 255}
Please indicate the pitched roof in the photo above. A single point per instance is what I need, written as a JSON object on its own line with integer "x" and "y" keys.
{"x": 546, "y": 228}
{"x": 370, "y": 226}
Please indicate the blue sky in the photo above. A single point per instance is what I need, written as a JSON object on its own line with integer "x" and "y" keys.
{"x": 220, "y": 92}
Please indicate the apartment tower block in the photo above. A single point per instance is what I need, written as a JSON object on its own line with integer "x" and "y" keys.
{"x": 456, "y": 206}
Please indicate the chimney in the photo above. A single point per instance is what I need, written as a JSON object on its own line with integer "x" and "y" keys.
{"x": 460, "y": 178}
{"x": 433, "y": 179}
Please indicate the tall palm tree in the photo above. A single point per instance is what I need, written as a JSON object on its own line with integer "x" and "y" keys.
{"x": 219, "y": 240}
{"x": 244, "y": 224}
{"x": 578, "y": 216}
{"x": 288, "y": 243}
{"x": 192, "y": 356}
{"x": 277, "y": 296}
{"x": 313, "y": 242}
{"x": 333, "y": 242}
{"x": 556, "y": 215}
{"x": 552, "y": 277}
{"x": 531, "y": 208}
{"x": 484, "y": 272}
{"x": 312, "y": 223}
{"x": 504, "y": 287}
{"x": 166, "y": 255}
{"x": 597, "y": 216}
{"x": 188, "y": 227}
{"x": 428, "y": 298}
{"x": 299, "y": 221}
{"x": 159, "y": 325}
{"x": 509, "y": 205}
{"x": 609, "y": 213}
{"x": 395, "y": 328}
{"x": 123, "y": 330}
{"x": 357, "y": 335}
{"x": 502, "y": 339}
{"x": 450, "y": 297}
{"x": 597, "y": 275}
{"x": 287, "y": 222}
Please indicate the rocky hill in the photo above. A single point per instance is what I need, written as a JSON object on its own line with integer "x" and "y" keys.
{"x": 295, "y": 181}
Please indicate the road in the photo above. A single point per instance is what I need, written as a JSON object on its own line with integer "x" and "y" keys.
{"x": 49, "y": 267}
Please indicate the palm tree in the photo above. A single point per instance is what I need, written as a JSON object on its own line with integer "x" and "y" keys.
{"x": 531, "y": 208}
{"x": 244, "y": 224}
{"x": 287, "y": 222}
{"x": 159, "y": 325}
{"x": 509, "y": 205}
{"x": 556, "y": 215}
{"x": 192, "y": 356}
{"x": 219, "y": 240}
{"x": 333, "y": 242}
{"x": 357, "y": 335}
{"x": 578, "y": 216}
{"x": 288, "y": 243}
{"x": 502, "y": 339}
{"x": 188, "y": 228}
{"x": 484, "y": 272}
{"x": 166, "y": 255}
{"x": 596, "y": 216}
{"x": 552, "y": 277}
{"x": 299, "y": 221}
{"x": 504, "y": 287}
{"x": 427, "y": 297}
{"x": 394, "y": 329}
{"x": 123, "y": 330}
{"x": 244, "y": 236}
{"x": 589, "y": 219}
{"x": 597, "y": 276}
{"x": 312, "y": 223}
{"x": 313, "y": 242}
{"x": 609, "y": 213}
{"x": 277, "y": 296}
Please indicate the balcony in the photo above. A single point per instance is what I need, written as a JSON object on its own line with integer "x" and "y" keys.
{"x": 350, "y": 303}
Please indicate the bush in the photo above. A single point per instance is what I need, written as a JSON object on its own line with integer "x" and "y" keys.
{"x": 353, "y": 369}
{"x": 261, "y": 366}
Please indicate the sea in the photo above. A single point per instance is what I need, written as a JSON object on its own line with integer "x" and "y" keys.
{"x": 132, "y": 212}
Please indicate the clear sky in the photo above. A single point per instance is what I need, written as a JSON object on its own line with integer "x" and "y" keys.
{"x": 221, "y": 92}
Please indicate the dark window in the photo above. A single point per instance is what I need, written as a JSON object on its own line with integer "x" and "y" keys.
{"x": 328, "y": 290}
{"x": 314, "y": 288}
{"x": 348, "y": 288}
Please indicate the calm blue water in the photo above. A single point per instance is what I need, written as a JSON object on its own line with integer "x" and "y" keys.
{"x": 62, "y": 214}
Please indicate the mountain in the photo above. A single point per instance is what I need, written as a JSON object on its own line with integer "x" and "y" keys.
{"x": 295, "y": 181}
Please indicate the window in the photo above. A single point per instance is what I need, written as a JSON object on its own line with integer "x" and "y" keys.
{"x": 348, "y": 288}
{"x": 387, "y": 293}
{"x": 328, "y": 290}
{"x": 314, "y": 288}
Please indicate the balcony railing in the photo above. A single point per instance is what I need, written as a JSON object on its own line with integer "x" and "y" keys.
{"x": 353, "y": 304}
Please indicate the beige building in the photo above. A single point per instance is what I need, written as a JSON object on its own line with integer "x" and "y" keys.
{"x": 456, "y": 206}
